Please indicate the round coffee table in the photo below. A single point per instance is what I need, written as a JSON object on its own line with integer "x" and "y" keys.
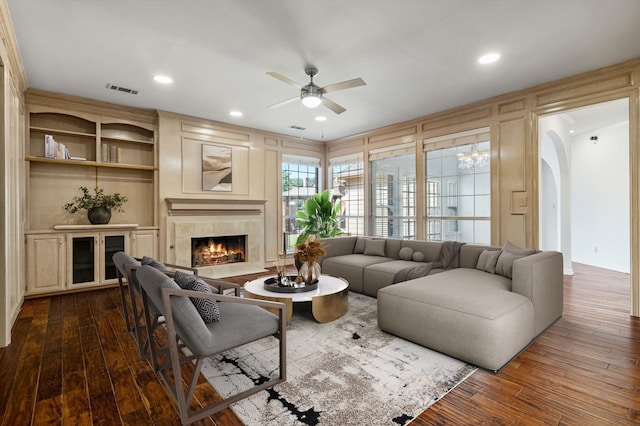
{"x": 329, "y": 301}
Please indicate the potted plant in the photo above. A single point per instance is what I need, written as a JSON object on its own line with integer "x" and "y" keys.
{"x": 98, "y": 205}
{"x": 318, "y": 217}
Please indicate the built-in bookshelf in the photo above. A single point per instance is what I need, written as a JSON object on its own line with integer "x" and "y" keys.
{"x": 95, "y": 144}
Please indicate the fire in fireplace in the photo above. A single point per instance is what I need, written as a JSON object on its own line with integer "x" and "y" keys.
{"x": 208, "y": 251}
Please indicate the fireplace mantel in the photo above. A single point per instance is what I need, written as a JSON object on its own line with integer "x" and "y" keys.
{"x": 209, "y": 206}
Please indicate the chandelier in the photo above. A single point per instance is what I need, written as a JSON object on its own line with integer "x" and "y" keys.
{"x": 473, "y": 159}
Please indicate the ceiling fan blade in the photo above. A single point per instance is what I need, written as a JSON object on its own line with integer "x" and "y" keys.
{"x": 284, "y": 79}
{"x": 288, "y": 101}
{"x": 332, "y": 106}
{"x": 348, "y": 84}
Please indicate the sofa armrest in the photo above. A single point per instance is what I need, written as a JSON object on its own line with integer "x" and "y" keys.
{"x": 540, "y": 278}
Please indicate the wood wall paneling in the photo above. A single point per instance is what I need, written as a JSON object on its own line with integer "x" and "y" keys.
{"x": 512, "y": 158}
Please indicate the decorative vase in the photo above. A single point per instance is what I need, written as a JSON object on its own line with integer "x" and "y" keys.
{"x": 310, "y": 271}
{"x": 99, "y": 215}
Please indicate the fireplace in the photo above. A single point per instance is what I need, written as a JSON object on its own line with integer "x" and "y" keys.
{"x": 191, "y": 218}
{"x": 210, "y": 251}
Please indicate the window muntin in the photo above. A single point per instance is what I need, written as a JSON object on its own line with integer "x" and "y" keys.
{"x": 347, "y": 185}
{"x": 300, "y": 180}
{"x": 458, "y": 193}
{"x": 393, "y": 197}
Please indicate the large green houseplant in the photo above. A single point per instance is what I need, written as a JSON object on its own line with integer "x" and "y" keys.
{"x": 319, "y": 217}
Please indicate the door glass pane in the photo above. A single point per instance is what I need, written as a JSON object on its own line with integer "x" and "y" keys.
{"x": 112, "y": 245}
{"x": 83, "y": 259}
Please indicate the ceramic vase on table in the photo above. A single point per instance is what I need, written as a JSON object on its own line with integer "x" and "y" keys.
{"x": 310, "y": 271}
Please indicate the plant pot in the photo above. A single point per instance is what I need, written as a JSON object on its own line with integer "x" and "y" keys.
{"x": 99, "y": 215}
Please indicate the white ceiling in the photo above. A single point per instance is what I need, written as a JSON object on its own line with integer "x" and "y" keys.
{"x": 416, "y": 56}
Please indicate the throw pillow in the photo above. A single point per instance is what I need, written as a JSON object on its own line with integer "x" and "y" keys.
{"x": 359, "y": 247}
{"x": 187, "y": 281}
{"x": 374, "y": 247}
{"x": 418, "y": 256}
{"x": 152, "y": 262}
{"x": 487, "y": 260}
{"x": 208, "y": 309}
{"x": 406, "y": 253}
{"x": 510, "y": 253}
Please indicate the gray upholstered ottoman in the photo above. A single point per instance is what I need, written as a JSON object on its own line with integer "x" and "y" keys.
{"x": 468, "y": 314}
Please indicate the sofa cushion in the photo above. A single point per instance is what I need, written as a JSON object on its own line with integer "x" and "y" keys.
{"x": 374, "y": 248}
{"x": 359, "y": 246}
{"x": 339, "y": 245}
{"x": 383, "y": 274}
{"x": 406, "y": 253}
{"x": 351, "y": 268}
{"x": 429, "y": 249}
{"x": 465, "y": 313}
{"x": 417, "y": 256}
{"x": 510, "y": 252}
{"x": 392, "y": 248}
{"x": 487, "y": 260}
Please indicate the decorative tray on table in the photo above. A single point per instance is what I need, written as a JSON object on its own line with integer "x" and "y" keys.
{"x": 272, "y": 284}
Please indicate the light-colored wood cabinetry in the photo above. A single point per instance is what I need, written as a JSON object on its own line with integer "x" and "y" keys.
{"x": 145, "y": 243}
{"x": 46, "y": 256}
{"x": 76, "y": 257}
{"x": 106, "y": 146}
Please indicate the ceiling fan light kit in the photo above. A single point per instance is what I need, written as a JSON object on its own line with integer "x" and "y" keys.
{"x": 311, "y": 96}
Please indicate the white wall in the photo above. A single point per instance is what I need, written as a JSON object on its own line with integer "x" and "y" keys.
{"x": 600, "y": 198}
{"x": 555, "y": 186}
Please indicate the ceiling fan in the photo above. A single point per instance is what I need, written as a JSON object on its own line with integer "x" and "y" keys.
{"x": 312, "y": 95}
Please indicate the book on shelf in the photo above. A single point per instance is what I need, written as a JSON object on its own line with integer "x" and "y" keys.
{"x": 49, "y": 146}
{"x": 110, "y": 153}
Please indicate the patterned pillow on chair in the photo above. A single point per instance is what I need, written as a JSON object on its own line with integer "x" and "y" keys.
{"x": 208, "y": 309}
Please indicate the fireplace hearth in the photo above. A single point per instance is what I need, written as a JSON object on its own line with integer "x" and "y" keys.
{"x": 211, "y": 251}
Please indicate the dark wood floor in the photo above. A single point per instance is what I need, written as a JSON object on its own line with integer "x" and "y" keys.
{"x": 72, "y": 362}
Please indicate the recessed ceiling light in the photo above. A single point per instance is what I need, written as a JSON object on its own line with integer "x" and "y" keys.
{"x": 235, "y": 113}
{"x": 321, "y": 118}
{"x": 162, "y": 79}
{"x": 489, "y": 58}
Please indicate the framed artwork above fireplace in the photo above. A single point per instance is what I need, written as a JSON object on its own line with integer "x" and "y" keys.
{"x": 216, "y": 168}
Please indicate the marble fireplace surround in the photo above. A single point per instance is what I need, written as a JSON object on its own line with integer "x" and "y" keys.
{"x": 201, "y": 217}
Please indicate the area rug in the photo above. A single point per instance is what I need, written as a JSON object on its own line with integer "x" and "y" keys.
{"x": 346, "y": 372}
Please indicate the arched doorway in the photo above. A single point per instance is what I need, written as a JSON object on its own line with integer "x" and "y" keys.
{"x": 585, "y": 186}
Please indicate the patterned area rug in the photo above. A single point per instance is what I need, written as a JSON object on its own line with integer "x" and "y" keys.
{"x": 346, "y": 372}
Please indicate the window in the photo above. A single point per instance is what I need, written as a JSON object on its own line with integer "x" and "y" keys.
{"x": 300, "y": 180}
{"x": 393, "y": 194}
{"x": 347, "y": 177}
{"x": 458, "y": 189}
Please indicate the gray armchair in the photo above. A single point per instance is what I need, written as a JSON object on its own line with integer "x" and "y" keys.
{"x": 242, "y": 321}
{"x": 139, "y": 324}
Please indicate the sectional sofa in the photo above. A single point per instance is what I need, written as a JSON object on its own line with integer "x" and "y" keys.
{"x": 480, "y": 304}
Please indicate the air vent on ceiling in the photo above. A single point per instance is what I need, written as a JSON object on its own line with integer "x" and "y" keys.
{"x": 297, "y": 127}
{"x": 121, "y": 89}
